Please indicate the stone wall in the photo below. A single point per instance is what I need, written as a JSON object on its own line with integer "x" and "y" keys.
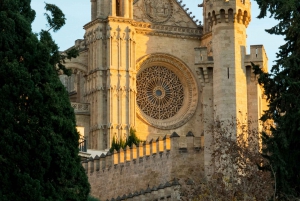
{"x": 151, "y": 165}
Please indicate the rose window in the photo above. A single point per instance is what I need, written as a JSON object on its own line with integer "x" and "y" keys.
{"x": 160, "y": 93}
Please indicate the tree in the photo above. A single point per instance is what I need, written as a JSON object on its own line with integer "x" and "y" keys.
{"x": 38, "y": 139}
{"x": 282, "y": 89}
{"x": 235, "y": 174}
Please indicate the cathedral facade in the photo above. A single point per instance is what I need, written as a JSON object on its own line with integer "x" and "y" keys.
{"x": 150, "y": 66}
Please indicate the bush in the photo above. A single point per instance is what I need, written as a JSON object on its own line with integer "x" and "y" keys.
{"x": 132, "y": 139}
{"x": 91, "y": 198}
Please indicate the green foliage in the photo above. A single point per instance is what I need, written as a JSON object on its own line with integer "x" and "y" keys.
{"x": 57, "y": 18}
{"x": 38, "y": 139}
{"x": 91, "y": 198}
{"x": 118, "y": 144}
{"x": 282, "y": 88}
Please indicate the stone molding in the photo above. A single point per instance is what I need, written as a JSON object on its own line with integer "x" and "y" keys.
{"x": 81, "y": 107}
{"x": 140, "y": 28}
{"x": 187, "y": 79}
{"x": 167, "y": 31}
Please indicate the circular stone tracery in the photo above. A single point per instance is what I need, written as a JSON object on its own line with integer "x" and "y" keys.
{"x": 158, "y": 84}
{"x": 160, "y": 93}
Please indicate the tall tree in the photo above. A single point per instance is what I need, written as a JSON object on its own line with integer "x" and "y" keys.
{"x": 282, "y": 88}
{"x": 38, "y": 139}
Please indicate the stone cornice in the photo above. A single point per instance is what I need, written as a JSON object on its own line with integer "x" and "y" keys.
{"x": 166, "y": 30}
{"x": 153, "y": 29}
{"x": 167, "y": 34}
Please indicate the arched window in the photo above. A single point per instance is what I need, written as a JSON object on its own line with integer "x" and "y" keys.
{"x": 222, "y": 13}
{"x": 230, "y": 15}
{"x": 118, "y": 7}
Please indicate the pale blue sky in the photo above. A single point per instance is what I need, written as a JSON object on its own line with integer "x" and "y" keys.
{"x": 77, "y": 13}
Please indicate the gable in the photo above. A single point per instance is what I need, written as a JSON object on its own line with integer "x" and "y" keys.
{"x": 165, "y": 12}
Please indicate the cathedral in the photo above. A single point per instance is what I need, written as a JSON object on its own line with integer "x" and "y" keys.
{"x": 150, "y": 66}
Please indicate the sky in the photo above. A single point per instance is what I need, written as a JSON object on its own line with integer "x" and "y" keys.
{"x": 78, "y": 14}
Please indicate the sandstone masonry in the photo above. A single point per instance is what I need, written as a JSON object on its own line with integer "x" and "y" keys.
{"x": 155, "y": 167}
{"x": 150, "y": 66}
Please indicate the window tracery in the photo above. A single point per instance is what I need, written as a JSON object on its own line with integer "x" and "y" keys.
{"x": 160, "y": 93}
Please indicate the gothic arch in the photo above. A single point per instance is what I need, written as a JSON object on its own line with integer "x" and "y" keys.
{"x": 76, "y": 65}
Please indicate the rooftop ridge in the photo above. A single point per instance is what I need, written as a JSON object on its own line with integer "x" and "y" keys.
{"x": 189, "y": 14}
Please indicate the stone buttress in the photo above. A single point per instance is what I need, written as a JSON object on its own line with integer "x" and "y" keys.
{"x": 110, "y": 86}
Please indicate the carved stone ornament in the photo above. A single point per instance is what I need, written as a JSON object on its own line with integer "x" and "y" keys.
{"x": 167, "y": 94}
{"x": 158, "y": 11}
{"x": 160, "y": 92}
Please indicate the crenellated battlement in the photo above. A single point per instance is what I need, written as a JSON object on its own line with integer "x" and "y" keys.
{"x": 226, "y": 11}
{"x": 147, "y": 150}
{"x": 149, "y": 164}
{"x": 258, "y": 56}
{"x": 218, "y": 16}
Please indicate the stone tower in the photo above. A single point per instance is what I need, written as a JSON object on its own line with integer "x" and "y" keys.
{"x": 148, "y": 65}
{"x": 110, "y": 86}
{"x": 227, "y": 20}
{"x": 230, "y": 90}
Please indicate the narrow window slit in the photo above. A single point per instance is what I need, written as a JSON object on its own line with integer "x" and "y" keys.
{"x": 228, "y": 72}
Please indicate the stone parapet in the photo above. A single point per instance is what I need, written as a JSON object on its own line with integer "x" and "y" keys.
{"x": 147, "y": 165}
{"x": 258, "y": 56}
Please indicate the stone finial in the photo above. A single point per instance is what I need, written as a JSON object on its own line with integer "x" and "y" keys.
{"x": 148, "y": 190}
{"x": 174, "y": 134}
{"x": 167, "y": 185}
{"x": 154, "y": 188}
{"x": 190, "y": 134}
{"x": 130, "y": 195}
{"x": 175, "y": 182}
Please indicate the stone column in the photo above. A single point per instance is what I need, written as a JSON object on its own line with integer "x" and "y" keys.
{"x": 126, "y": 8}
